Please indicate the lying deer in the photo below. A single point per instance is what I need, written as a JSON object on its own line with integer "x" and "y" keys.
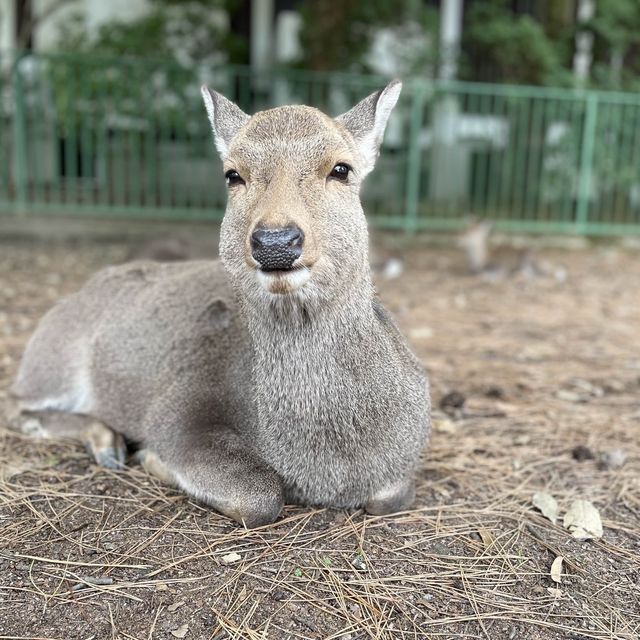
{"x": 274, "y": 375}
{"x": 497, "y": 263}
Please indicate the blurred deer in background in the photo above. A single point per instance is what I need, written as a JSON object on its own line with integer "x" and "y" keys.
{"x": 497, "y": 262}
{"x": 275, "y": 374}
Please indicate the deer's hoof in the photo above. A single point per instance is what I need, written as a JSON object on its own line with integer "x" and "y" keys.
{"x": 107, "y": 447}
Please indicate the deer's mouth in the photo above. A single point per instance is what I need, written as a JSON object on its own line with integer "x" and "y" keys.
{"x": 284, "y": 282}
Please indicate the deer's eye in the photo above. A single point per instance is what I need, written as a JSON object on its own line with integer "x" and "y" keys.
{"x": 340, "y": 172}
{"x": 233, "y": 177}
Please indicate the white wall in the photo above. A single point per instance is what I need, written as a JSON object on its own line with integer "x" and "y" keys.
{"x": 47, "y": 35}
{"x": 7, "y": 24}
{"x": 94, "y": 12}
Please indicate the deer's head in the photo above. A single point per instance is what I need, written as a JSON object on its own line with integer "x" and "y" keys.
{"x": 294, "y": 224}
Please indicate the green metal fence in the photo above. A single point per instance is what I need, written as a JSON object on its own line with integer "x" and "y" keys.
{"x": 130, "y": 137}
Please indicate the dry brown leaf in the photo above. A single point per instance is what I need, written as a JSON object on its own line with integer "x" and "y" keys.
{"x": 180, "y": 632}
{"x": 583, "y": 520}
{"x": 556, "y": 569}
{"x": 232, "y": 557}
{"x": 487, "y": 539}
{"x": 547, "y": 504}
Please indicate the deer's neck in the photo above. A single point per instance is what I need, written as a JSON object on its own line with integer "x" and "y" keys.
{"x": 309, "y": 365}
{"x": 316, "y": 331}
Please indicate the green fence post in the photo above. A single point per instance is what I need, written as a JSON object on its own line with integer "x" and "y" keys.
{"x": 586, "y": 162}
{"x": 19, "y": 139}
{"x": 414, "y": 158}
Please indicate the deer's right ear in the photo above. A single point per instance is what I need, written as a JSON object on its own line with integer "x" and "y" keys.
{"x": 226, "y": 118}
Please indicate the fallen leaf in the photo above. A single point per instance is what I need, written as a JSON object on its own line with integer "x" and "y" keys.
{"x": 556, "y": 593}
{"x": 556, "y": 569}
{"x": 613, "y": 459}
{"x": 570, "y": 396}
{"x": 487, "y": 539}
{"x": 421, "y": 333}
{"x": 547, "y": 504}
{"x": 232, "y": 557}
{"x": 583, "y": 520}
{"x": 180, "y": 632}
{"x": 444, "y": 425}
{"x": 176, "y": 605}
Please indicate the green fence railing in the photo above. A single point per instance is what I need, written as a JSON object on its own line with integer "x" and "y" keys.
{"x": 130, "y": 137}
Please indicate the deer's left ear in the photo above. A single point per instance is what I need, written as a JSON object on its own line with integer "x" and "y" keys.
{"x": 368, "y": 119}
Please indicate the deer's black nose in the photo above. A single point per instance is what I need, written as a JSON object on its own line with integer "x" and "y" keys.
{"x": 276, "y": 249}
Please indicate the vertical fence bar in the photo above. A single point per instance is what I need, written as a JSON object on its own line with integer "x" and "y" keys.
{"x": 586, "y": 162}
{"x": 71, "y": 179}
{"x": 604, "y": 159}
{"x": 150, "y": 162}
{"x": 414, "y": 158}
{"x": 634, "y": 161}
{"x": 36, "y": 125}
{"x": 565, "y": 209}
{"x": 87, "y": 147}
{"x": 496, "y": 110}
{"x": 484, "y": 108}
{"x": 508, "y": 160}
{"x": 20, "y": 175}
{"x": 539, "y": 151}
{"x": 622, "y": 160}
{"x": 4, "y": 195}
{"x": 516, "y": 201}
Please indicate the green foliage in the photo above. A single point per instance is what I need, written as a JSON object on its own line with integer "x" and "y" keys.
{"x": 184, "y": 31}
{"x": 501, "y": 46}
{"x": 617, "y": 22}
{"x": 616, "y": 26}
{"x": 142, "y": 67}
{"x": 338, "y": 36}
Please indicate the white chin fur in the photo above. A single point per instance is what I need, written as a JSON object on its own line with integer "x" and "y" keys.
{"x": 283, "y": 282}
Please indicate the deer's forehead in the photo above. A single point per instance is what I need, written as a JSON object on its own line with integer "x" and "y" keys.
{"x": 300, "y": 135}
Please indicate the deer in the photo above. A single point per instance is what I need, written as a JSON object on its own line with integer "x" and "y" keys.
{"x": 495, "y": 263}
{"x": 271, "y": 376}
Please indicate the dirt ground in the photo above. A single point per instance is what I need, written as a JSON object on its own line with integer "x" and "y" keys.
{"x": 546, "y": 375}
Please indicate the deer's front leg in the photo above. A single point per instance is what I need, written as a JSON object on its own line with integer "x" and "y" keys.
{"x": 214, "y": 466}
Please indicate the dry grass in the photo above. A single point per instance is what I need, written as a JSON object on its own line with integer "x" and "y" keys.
{"x": 89, "y": 553}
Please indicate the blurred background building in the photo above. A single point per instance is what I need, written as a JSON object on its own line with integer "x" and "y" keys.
{"x": 519, "y": 110}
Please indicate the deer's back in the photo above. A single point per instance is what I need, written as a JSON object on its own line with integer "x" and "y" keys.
{"x": 131, "y": 334}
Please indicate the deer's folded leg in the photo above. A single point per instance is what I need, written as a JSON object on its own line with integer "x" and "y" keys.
{"x": 107, "y": 447}
{"x": 215, "y": 466}
{"x": 396, "y": 497}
